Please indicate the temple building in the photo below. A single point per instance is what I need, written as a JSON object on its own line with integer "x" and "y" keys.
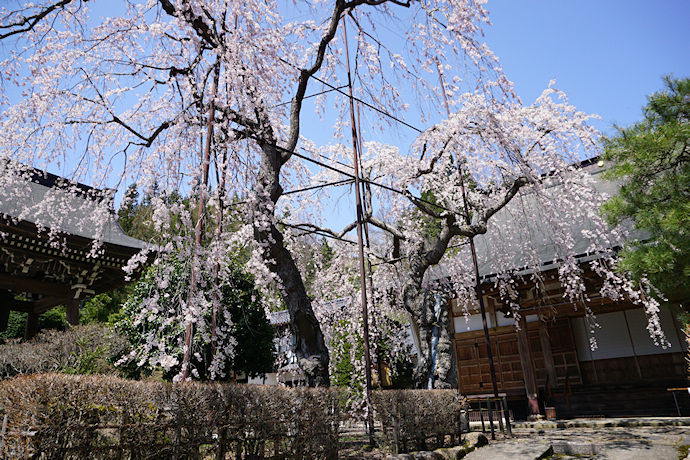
{"x": 60, "y": 243}
{"x": 560, "y": 357}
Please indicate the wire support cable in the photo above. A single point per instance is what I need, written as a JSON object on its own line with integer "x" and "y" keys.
{"x": 368, "y": 181}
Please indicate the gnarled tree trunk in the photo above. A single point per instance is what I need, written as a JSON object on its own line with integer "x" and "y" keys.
{"x": 430, "y": 310}
{"x": 430, "y": 373}
{"x": 311, "y": 349}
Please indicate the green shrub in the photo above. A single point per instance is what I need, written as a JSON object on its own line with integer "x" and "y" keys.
{"x": 16, "y": 323}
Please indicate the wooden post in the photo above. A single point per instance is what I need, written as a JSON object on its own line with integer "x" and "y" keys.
{"x": 481, "y": 415}
{"x": 72, "y": 311}
{"x": 491, "y": 417}
{"x": 527, "y": 368}
{"x": 548, "y": 355}
{"x": 506, "y": 412}
{"x": 31, "y": 326}
{"x": 5, "y": 308}
{"x": 4, "y": 317}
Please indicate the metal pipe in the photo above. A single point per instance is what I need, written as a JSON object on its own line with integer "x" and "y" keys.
{"x": 360, "y": 245}
{"x": 478, "y": 287}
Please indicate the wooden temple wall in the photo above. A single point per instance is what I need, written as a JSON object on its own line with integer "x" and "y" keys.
{"x": 473, "y": 361}
{"x": 621, "y": 359}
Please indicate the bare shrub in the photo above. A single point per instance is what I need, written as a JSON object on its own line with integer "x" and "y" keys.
{"x": 419, "y": 419}
{"x": 66, "y": 416}
{"x": 79, "y": 350}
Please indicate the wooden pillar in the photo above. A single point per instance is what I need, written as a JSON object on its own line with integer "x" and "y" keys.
{"x": 527, "y": 369}
{"x": 72, "y": 311}
{"x": 548, "y": 355}
{"x": 4, "y": 317}
{"x": 31, "y": 326}
{"x": 5, "y": 307}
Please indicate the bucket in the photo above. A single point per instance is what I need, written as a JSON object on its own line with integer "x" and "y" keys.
{"x": 550, "y": 413}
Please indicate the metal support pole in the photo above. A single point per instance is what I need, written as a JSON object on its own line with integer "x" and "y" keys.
{"x": 360, "y": 245}
{"x": 491, "y": 417}
{"x": 506, "y": 413}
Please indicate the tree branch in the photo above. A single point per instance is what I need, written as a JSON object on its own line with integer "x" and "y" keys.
{"x": 419, "y": 204}
{"x": 315, "y": 228}
{"x": 376, "y": 222}
{"x": 486, "y": 214}
{"x": 26, "y": 23}
{"x": 196, "y": 22}
{"x": 306, "y": 74}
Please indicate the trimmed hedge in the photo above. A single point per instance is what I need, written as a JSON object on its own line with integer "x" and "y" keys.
{"x": 414, "y": 420}
{"x": 58, "y": 416}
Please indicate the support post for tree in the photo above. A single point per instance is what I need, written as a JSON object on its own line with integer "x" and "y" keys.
{"x": 527, "y": 368}
{"x": 480, "y": 298}
{"x": 216, "y": 267}
{"x": 379, "y": 367}
{"x": 206, "y": 161}
{"x": 478, "y": 286}
{"x": 360, "y": 246}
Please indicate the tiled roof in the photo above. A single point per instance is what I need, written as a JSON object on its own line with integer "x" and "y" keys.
{"x": 279, "y": 318}
{"x": 42, "y": 199}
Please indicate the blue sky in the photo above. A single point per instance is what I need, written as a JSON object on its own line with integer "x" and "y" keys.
{"x": 607, "y": 55}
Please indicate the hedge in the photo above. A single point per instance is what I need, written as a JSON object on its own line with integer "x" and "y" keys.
{"x": 59, "y": 416}
{"x": 414, "y": 420}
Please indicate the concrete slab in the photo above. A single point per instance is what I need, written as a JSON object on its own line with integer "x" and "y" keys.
{"x": 610, "y": 440}
{"x": 510, "y": 450}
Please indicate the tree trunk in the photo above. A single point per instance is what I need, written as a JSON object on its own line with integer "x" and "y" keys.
{"x": 420, "y": 303}
{"x": 310, "y": 347}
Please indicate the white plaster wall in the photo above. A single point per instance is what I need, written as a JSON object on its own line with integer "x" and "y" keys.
{"x": 614, "y": 341}
{"x": 470, "y": 323}
{"x": 270, "y": 379}
{"x": 474, "y": 322}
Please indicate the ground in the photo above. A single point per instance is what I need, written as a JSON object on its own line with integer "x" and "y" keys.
{"x": 609, "y": 439}
{"x": 611, "y": 443}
